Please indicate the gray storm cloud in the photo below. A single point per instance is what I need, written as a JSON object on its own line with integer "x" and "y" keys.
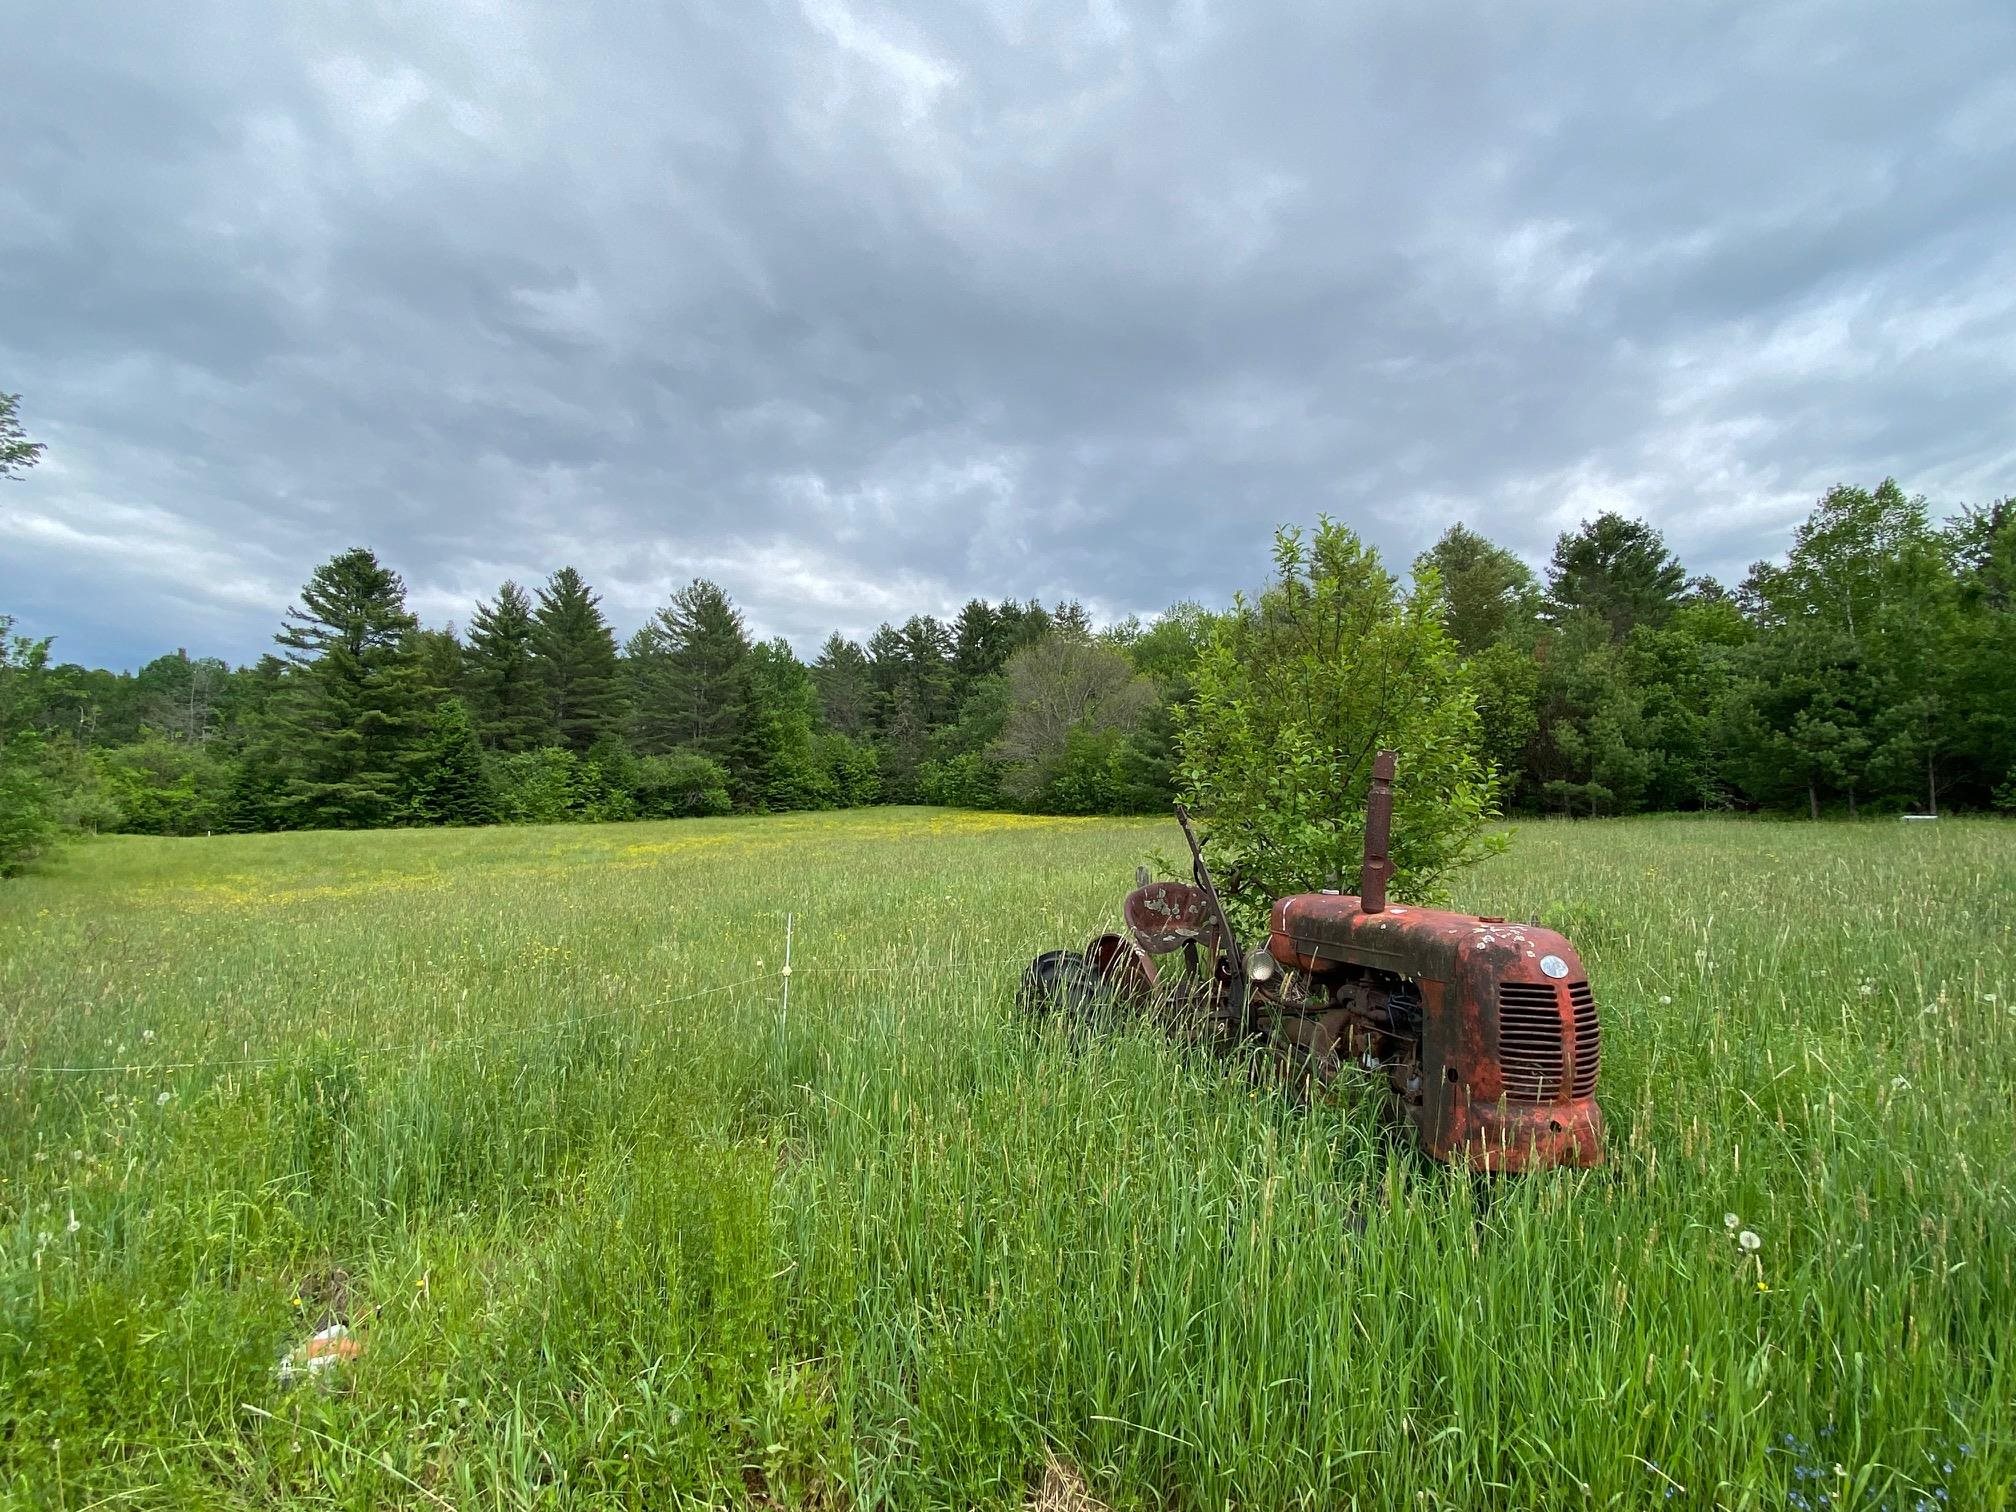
{"x": 864, "y": 310}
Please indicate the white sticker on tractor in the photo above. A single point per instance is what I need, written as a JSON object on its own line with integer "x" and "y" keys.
{"x": 1554, "y": 966}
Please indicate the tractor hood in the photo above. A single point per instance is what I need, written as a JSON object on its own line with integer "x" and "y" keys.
{"x": 1316, "y": 930}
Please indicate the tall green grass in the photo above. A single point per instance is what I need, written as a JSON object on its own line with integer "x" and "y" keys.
{"x": 607, "y": 1242}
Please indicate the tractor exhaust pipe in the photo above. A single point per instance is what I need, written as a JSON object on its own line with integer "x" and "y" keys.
{"x": 1377, "y": 868}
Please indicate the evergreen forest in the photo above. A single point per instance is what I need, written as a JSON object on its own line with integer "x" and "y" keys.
{"x": 1871, "y": 670}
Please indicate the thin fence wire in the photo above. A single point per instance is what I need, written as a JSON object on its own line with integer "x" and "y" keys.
{"x": 937, "y": 960}
{"x": 502, "y": 1031}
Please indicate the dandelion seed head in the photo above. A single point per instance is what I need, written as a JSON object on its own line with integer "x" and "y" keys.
{"x": 1749, "y": 1240}
{"x": 1730, "y": 1220}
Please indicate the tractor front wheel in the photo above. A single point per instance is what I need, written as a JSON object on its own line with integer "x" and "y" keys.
{"x": 1303, "y": 1052}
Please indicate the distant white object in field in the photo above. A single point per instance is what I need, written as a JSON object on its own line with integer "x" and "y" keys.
{"x": 319, "y": 1354}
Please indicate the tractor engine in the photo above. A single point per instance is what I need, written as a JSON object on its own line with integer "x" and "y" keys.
{"x": 1486, "y": 1031}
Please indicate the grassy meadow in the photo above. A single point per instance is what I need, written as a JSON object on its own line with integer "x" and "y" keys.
{"x": 525, "y": 1110}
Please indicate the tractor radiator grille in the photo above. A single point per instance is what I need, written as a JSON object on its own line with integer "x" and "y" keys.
{"x": 1529, "y": 1041}
{"x": 1588, "y": 1038}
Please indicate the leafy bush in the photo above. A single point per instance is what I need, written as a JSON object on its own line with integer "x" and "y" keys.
{"x": 857, "y": 776}
{"x": 792, "y": 777}
{"x": 1107, "y": 772}
{"x": 554, "y": 786}
{"x": 1585, "y": 798}
{"x": 969, "y": 781}
{"x": 679, "y": 785}
{"x": 603, "y": 783}
{"x": 1085, "y": 779}
{"x": 165, "y": 787}
{"x": 534, "y": 787}
{"x": 82, "y": 803}
{"x": 28, "y": 822}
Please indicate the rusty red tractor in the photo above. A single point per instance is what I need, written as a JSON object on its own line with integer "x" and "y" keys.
{"x": 1483, "y": 1033}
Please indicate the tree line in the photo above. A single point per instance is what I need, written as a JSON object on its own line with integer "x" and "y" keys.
{"x": 1873, "y": 668}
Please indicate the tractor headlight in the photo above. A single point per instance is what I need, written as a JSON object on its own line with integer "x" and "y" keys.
{"x": 1260, "y": 967}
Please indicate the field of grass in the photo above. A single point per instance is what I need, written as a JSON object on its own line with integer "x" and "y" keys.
{"x": 524, "y": 1108}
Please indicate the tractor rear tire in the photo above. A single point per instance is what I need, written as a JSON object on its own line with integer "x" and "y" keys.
{"x": 1061, "y": 985}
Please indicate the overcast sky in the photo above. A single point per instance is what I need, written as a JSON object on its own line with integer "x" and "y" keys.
{"x": 862, "y": 310}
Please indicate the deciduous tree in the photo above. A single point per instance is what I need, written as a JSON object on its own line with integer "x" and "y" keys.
{"x": 1062, "y": 686}
{"x": 17, "y": 452}
{"x": 1295, "y": 695}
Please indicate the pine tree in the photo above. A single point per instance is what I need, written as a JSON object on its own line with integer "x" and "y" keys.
{"x": 927, "y": 667}
{"x": 577, "y": 660}
{"x": 1074, "y": 620}
{"x": 254, "y": 788}
{"x": 846, "y": 689}
{"x": 1487, "y": 593}
{"x": 1616, "y": 569}
{"x": 901, "y": 746}
{"x": 1022, "y": 625}
{"x": 1798, "y": 726}
{"x": 508, "y": 696}
{"x": 450, "y": 784}
{"x": 911, "y": 674}
{"x": 354, "y": 715}
{"x": 979, "y": 646}
{"x": 886, "y": 675}
{"x": 689, "y": 676}
{"x": 441, "y": 660}
{"x": 1982, "y": 545}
